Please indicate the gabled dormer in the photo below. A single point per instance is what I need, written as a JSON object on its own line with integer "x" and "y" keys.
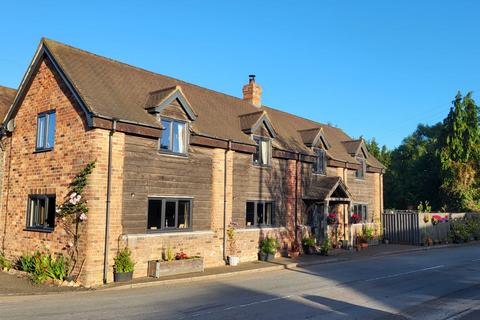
{"x": 258, "y": 125}
{"x": 316, "y": 140}
{"x": 175, "y": 114}
{"x": 170, "y": 102}
{"x": 358, "y": 150}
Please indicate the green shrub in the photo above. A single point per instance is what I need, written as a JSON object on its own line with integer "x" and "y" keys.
{"x": 42, "y": 266}
{"x": 5, "y": 263}
{"x": 325, "y": 246}
{"x": 309, "y": 241}
{"x": 270, "y": 245}
{"x": 369, "y": 232}
{"x": 123, "y": 261}
{"x": 473, "y": 226}
{"x": 459, "y": 231}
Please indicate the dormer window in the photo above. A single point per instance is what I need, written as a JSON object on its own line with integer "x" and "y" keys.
{"x": 174, "y": 136}
{"x": 320, "y": 164}
{"x": 263, "y": 154}
{"x": 360, "y": 174}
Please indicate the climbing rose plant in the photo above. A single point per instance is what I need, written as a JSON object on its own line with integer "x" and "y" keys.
{"x": 73, "y": 211}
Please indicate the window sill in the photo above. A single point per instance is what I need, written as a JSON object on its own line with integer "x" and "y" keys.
{"x": 260, "y": 228}
{"x": 42, "y": 230}
{"x": 262, "y": 166}
{"x": 319, "y": 174}
{"x": 170, "y": 230}
{"x": 166, "y": 233}
{"x": 173, "y": 154}
{"x": 42, "y": 150}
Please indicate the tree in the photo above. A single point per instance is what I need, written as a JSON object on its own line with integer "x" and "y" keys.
{"x": 459, "y": 155}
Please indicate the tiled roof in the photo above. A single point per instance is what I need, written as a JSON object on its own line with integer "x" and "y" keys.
{"x": 6, "y": 99}
{"x": 117, "y": 90}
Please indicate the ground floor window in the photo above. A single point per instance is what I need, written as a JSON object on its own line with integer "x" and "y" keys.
{"x": 41, "y": 212}
{"x": 169, "y": 213}
{"x": 259, "y": 213}
{"x": 361, "y": 210}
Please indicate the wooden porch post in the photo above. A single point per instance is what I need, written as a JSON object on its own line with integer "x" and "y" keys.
{"x": 324, "y": 220}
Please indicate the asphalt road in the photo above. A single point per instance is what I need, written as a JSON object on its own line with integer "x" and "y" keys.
{"x": 434, "y": 284}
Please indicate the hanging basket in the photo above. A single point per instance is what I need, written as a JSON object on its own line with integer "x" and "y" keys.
{"x": 332, "y": 219}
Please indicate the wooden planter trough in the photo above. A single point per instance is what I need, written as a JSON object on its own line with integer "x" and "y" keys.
{"x": 157, "y": 268}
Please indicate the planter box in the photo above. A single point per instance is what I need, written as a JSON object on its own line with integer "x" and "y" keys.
{"x": 122, "y": 276}
{"x": 373, "y": 242}
{"x": 159, "y": 269}
{"x": 265, "y": 256}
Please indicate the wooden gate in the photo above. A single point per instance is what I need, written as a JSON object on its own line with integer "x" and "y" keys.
{"x": 401, "y": 227}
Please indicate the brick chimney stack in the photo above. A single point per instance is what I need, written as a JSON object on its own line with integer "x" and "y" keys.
{"x": 252, "y": 92}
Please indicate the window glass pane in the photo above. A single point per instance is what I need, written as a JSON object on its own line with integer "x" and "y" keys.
{"x": 154, "y": 214}
{"x": 264, "y": 150}
{"x": 250, "y": 214}
{"x": 178, "y": 137}
{"x": 41, "y": 212}
{"x": 260, "y": 213}
{"x": 268, "y": 212}
{"x": 51, "y": 130}
{"x": 183, "y": 214}
{"x": 170, "y": 214}
{"x": 31, "y": 212}
{"x": 256, "y": 155}
{"x": 41, "y": 132}
{"x": 165, "y": 140}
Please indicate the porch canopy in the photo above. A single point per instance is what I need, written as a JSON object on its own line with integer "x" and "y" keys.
{"x": 327, "y": 189}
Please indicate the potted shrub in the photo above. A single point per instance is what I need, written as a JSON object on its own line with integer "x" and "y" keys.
{"x": 325, "y": 247}
{"x": 124, "y": 266}
{"x": 268, "y": 249}
{"x": 233, "y": 259}
{"x": 309, "y": 245}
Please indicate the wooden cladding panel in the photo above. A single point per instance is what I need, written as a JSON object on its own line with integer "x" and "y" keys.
{"x": 150, "y": 173}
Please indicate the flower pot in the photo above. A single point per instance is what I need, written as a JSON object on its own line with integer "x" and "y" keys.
{"x": 233, "y": 260}
{"x": 364, "y": 245}
{"x": 294, "y": 254}
{"x": 262, "y": 256}
{"x": 309, "y": 249}
{"x": 122, "y": 276}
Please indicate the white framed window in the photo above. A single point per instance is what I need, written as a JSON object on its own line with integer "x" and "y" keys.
{"x": 361, "y": 210}
{"x": 263, "y": 153}
{"x": 174, "y": 136}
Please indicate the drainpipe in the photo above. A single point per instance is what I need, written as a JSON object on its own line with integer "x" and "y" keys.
{"x": 109, "y": 191}
{"x": 296, "y": 197}
{"x": 229, "y": 147}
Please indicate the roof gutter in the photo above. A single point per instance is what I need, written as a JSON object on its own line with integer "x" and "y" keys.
{"x": 225, "y": 176}
{"x": 107, "y": 211}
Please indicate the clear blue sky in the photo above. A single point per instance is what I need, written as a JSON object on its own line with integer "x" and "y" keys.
{"x": 376, "y": 68}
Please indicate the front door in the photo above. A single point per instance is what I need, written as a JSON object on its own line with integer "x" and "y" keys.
{"x": 319, "y": 221}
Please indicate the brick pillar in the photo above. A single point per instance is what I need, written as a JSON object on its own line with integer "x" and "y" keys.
{"x": 218, "y": 198}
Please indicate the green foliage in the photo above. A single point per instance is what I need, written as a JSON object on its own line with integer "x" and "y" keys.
{"x": 368, "y": 232}
{"x": 459, "y": 231}
{"x": 412, "y": 173}
{"x": 42, "y": 266}
{"x": 325, "y": 246}
{"x": 75, "y": 203}
{"x": 381, "y": 154}
{"x": 459, "y": 155}
{"x": 427, "y": 208}
{"x": 309, "y": 241}
{"x": 169, "y": 255}
{"x": 270, "y": 245}
{"x": 5, "y": 263}
{"x": 123, "y": 261}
